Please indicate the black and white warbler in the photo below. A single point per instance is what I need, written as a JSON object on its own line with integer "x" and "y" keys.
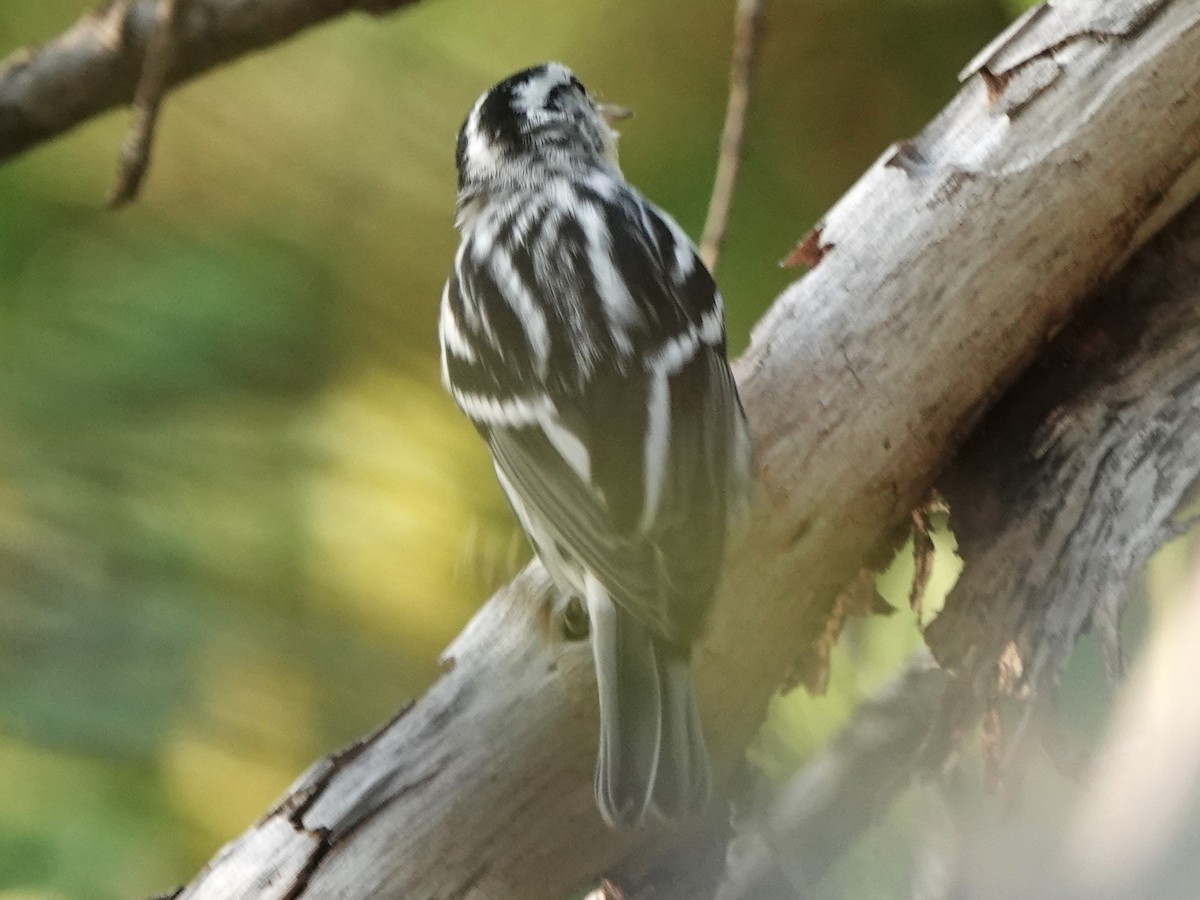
{"x": 584, "y": 338}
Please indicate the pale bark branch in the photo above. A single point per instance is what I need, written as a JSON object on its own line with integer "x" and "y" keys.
{"x": 944, "y": 271}
{"x": 96, "y": 64}
{"x": 484, "y": 785}
{"x": 1058, "y": 499}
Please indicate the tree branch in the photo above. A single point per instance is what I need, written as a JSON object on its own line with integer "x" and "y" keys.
{"x": 147, "y": 100}
{"x": 1060, "y": 496}
{"x": 944, "y": 270}
{"x": 786, "y": 846}
{"x": 96, "y": 65}
{"x": 747, "y": 27}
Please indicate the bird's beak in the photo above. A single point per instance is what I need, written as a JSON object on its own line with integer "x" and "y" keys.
{"x": 613, "y": 113}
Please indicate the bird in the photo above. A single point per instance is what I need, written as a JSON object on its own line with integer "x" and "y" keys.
{"x": 583, "y": 337}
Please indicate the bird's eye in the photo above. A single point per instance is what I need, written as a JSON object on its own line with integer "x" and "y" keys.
{"x": 554, "y": 98}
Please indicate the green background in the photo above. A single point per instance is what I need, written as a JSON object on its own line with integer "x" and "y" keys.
{"x": 238, "y": 517}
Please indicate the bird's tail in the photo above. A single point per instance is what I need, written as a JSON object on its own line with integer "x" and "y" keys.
{"x": 651, "y": 750}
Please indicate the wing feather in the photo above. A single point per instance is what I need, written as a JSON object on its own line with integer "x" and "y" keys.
{"x": 630, "y": 460}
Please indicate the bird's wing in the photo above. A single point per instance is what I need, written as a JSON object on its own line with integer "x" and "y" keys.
{"x": 609, "y": 408}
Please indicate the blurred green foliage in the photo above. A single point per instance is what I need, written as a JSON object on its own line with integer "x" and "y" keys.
{"x": 238, "y": 518}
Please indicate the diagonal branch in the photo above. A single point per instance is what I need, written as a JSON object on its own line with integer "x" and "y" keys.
{"x": 96, "y": 65}
{"x": 943, "y": 272}
{"x": 1065, "y": 489}
{"x": 784, "y": 849}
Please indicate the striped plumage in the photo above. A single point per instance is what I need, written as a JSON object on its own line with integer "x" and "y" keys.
{"x": 584, "y": 338}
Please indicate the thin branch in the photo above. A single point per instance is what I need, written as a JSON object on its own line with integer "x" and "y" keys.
{"x": 147, "y": 99}
{"x": 97, "y": 64}
{"x": 825, "y": 807}
{"x": 747, "y": 30}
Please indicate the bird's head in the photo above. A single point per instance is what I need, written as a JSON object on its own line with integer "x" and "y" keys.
{"x": 539, "y": 118}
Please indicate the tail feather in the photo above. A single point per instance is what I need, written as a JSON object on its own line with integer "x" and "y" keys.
{"x": 630, "y": 711}
{"x": 651, "y": 750}
{"x": 681, "y": 782}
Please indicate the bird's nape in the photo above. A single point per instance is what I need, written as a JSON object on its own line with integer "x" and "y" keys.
{"x": 540, "y": 115}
